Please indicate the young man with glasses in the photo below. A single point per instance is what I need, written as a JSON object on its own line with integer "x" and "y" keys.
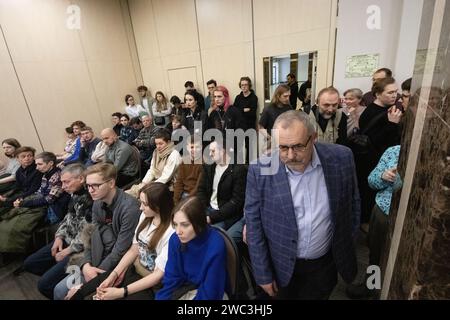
{"x": 115, "y": 215}
{"x": 302, "y": 212}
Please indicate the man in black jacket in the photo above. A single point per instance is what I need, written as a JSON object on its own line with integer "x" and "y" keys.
{"x": 247, "y": 103}
{"x": 222, "y": 187}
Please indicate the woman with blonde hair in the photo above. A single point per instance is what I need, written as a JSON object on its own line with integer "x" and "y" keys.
{"x": 353, "y": 109}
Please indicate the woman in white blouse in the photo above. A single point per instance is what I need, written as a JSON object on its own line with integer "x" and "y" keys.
{"x": 133, "y": 109}
{"x": 161, "y": 110}
{"x": 140, "y": 271}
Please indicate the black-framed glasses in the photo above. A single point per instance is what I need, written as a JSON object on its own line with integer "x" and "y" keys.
{"x": 295, "y": 148}
{"x": 96, "y": 186}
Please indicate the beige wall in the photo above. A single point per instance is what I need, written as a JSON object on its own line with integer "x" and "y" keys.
{"x": 290, "y": 26}
{"x": 65, "y": 74}
{"x": 225, "y": 47}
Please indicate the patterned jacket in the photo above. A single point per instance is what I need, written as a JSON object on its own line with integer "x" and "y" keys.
{"x": 146, "y": 138}
{"x": 272, "y": 232}
{"x": 388, "y": 160}
{"x": 79, "y": 213}
{"x": 49, "y": 194}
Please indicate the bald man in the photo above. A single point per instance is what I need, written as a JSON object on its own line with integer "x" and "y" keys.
{"x": 120, "y": 154}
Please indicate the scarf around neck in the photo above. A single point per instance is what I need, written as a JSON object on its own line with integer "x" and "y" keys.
{"x": 161, "y": 158}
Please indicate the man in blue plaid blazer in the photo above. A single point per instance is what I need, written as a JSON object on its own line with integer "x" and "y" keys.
{"x": 302, "y": 211}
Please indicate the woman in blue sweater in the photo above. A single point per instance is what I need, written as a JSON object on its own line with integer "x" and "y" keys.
{"x": 196, "y": 266}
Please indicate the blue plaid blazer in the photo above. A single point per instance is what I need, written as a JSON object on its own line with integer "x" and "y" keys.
{"x": 271, "y": 224}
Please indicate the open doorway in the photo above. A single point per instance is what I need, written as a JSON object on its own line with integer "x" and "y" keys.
{"x": 302, "y": 65}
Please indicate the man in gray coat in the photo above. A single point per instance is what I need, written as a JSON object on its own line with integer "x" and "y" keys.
{"x": 115, "y": 215}
{"x": 120, "y": 154}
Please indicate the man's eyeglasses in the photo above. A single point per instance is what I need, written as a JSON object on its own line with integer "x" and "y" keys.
{"x": 295, "y": 148}
{"x": 96, "y": 186}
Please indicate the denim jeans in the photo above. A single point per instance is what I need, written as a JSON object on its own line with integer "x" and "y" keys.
{"x": 62, "y": 288}
{"x": 222, "y": 224}
{"x": 235, "y": 231}
{"x": 44, "y": 264}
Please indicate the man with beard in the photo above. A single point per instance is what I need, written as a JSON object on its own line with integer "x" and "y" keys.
{"x": 329, "y": 121}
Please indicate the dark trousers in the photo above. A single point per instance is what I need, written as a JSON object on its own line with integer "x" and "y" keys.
{"x": 122, "y": 180}
{"x": 90, "y": 288}
{"x": 378, "y": 229}
{"x": 225, "y": 224}
{"x": 5, "y": 187}
{"x": 43, "y": 264}
{"x": 311, "y": 280}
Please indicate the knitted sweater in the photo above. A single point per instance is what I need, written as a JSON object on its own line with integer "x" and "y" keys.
{"x": 202, "y": 262}
{"x": 49, "y": 194}
{"x": 188, "y": 179}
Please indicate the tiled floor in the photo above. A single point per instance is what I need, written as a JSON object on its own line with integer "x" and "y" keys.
{"x": 24, "y": 286}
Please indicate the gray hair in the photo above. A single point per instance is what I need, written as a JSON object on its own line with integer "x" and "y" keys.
{"x": 287, "y": 118}
{"x": 75, "y": 169}
{"x": 356, "y": 92}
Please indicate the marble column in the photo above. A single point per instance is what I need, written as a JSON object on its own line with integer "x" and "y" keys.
{"x": 417, "y": 260}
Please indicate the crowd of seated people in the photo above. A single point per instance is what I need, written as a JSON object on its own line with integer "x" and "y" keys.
{"x": 135, "y": 215}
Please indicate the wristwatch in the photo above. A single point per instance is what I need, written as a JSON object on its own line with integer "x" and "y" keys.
{"x": 125, "y": 291}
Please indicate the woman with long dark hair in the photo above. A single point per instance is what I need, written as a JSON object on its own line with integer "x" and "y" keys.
{"x": 141, "y": 269}
{"x": 196, "y": 268}
{"x": 195, "y": 111}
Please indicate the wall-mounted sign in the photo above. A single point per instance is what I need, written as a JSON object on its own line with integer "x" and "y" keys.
{"x": 362, "y": 65}
{"x": 421, "y": 59}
